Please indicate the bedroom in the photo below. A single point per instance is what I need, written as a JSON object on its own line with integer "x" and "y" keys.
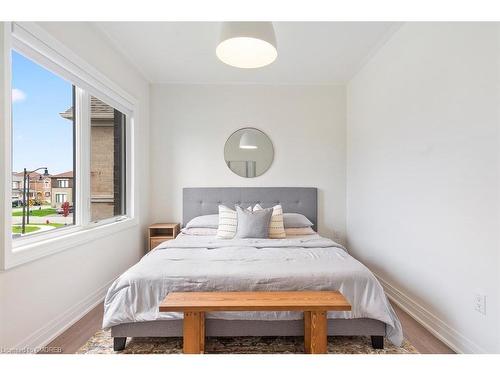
{"x": 385, "y": 144}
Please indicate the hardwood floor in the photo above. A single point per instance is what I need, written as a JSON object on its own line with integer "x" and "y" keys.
{"x": 424, "y": 341}
{"x": 78, "y": 334}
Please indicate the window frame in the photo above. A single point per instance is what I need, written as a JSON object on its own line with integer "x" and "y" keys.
{"x": 38, "y": 45}
{"x": 61, "y": 185}
{"x": 65, "y": 196}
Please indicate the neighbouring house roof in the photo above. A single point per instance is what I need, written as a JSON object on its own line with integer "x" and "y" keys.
{"x": 98, "y": 110}
{"x": 32, "y": 175}
{"x": 36, "y": 175}
{"x": 68, "y": 174}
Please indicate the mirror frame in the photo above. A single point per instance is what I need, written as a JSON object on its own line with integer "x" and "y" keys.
{"x": 236, "y": 131}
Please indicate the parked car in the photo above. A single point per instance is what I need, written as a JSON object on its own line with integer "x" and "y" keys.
{"x": 61, "y": 211}
{"x": 17, "y": 203}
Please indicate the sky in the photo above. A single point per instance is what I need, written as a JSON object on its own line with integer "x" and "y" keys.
{"x": 41, "y": 137}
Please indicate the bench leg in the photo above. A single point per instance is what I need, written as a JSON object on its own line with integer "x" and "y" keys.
{"x": 315, "y": 332}
{"x": 194, "y": 332}
{"x": 377, "y": 342}
{"x": 202, "y": 332}
{"x": 119, "y": 343}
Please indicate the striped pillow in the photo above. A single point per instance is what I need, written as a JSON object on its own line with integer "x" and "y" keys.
{"x": 276, "y": 226}
{"x": 228, "y": 222}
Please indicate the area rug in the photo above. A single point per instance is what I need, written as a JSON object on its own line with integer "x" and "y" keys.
{"x": 102, "y": 343}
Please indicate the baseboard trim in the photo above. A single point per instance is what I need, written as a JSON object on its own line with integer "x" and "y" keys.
{"x": 62, "y": 322}
{"x": 452, "y": 338}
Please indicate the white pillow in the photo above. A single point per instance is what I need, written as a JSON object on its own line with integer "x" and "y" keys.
{"x": 276, "y": 226}
{"x": 204, "y": 221}
{"x": 199, "y": 231}
{"x": 294, "y": 220}
{"x": 228, "y": 222}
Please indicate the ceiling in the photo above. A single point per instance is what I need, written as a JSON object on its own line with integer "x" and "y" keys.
{"x": 308, "y": 52}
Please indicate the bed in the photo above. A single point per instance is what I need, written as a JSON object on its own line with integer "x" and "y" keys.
{"x": 205, "y": 263}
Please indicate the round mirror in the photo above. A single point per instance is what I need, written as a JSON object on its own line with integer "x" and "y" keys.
{"x": 248, "y": 152}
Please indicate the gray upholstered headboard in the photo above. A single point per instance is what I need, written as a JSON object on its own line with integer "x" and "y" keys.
{"x": 205, "y": 201}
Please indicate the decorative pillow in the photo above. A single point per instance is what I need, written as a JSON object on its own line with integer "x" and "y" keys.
{"x": 299, "y": 231}
{"x": 292, "y": 220}
{"x": 276, "y": 226}
{"x": 199, "y": 231}
{"x": 228, "y": 221}
{"x": 253, "y": 224}
{"x": 204, "y": 221}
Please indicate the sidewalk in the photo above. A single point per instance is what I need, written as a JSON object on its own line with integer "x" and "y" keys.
{"x": 57, "y": 219}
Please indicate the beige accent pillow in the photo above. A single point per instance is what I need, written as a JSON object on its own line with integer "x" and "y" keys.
{"x": 276, "y": 226}
{"x": 228, "y": 222}
{"x": 299, "y": 231}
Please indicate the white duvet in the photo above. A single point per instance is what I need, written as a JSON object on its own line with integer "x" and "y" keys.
{"x": 203, "y": 263}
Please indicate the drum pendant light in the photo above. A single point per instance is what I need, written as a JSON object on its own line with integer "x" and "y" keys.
{"x": 247, "y": 44}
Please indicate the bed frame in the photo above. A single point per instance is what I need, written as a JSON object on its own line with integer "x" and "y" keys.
{"x": 205, "y": 201}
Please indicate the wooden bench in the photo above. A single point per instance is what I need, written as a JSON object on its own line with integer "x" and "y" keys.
{"x": 314, "y": 304}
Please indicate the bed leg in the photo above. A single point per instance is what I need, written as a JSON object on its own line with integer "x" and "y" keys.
{"x": 119, "y": 343}
{"x": 378, "y": 342}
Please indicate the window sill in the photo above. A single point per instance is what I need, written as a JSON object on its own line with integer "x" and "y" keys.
{"x": 24, "y": 253}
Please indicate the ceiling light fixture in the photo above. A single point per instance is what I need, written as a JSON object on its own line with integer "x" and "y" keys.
{"x": 247, "y": 44}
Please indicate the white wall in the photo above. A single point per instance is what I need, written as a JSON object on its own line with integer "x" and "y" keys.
{"x": 39, "y": 298}
{"x": 423, "y": 175}
{"x": 191, "y": 123}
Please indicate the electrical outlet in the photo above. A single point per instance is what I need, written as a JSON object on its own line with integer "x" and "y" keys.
{"x": 480, "y": 303}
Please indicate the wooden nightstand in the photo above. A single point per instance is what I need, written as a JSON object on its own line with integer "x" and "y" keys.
{"x": 158, "y": 233}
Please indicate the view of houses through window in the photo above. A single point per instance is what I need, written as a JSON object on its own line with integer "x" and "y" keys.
{"x": 42, "y": 148}
{"x": 43, "y": 178}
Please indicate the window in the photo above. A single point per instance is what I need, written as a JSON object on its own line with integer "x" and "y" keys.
{"x": 63, "y": 183}
{"x": 42, "y": 143}
{"x": 48, "y": 115}
{"x": 70, "y": 136}
{"x": 61, "y": 198}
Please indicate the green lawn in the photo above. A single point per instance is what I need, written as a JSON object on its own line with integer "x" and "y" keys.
{"x": 34, "y": 211}
{"x": 17, "y": 229}
{"x": 55, "y": 225}
{"x": 31, "y": 228}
